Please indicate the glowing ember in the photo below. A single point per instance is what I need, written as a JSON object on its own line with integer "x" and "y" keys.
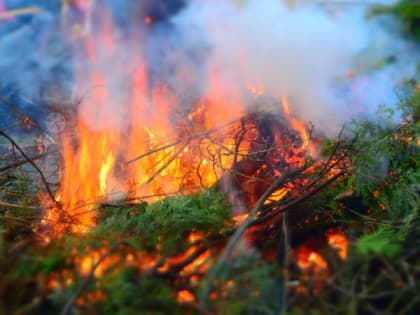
{"x": 185, "y": 296}
{"x": 96, "y": 261}
{"x": 338, "y": 240}
{"x": 307, "y": 259}
{"x": 311, "y": 262}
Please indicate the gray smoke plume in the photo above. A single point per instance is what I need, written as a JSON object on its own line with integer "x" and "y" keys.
{"x": 331, "y": 62}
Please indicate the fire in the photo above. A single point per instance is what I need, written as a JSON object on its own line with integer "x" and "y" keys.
{"x": 103, "y": 173}
{"x": 338, "y": 240}
{"x": 148, "y": 147}
{"x": 185, "y": 296}
{"x": 313, "y": 264}
{"x": 151, "y": 156}
{"x": 86, "y": 173}
{"x": 299, "y": 126}
{"x": 140, "y": 144}
{"x": 308, "y": 259}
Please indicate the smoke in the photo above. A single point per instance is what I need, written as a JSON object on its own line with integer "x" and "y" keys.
{"x": 292, "y": 52}
{"x": 304, "y": 52}
{"x": 331, "y": 62}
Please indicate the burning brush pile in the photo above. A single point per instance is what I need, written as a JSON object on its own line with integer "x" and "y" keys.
{"x": 176, "y": 181}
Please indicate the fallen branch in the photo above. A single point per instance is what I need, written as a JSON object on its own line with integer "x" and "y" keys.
{"x": 23, "y": 162}
{"x": 44, "y": 180}
{"x": 236, "y": 236}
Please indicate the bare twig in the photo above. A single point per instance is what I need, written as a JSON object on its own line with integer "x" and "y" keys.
{"x": 19, "y": 115}
{"x": 22, "y": 162}
{"x": 188, "y": 260}
{"x": 44, "y": 180}
{"x": 176, "y": 142}
{"x": 174, "y": 268}
{"x": 165, "y": 165}
{"x": 306, "y": 196}
{"x": 13, "y": 205}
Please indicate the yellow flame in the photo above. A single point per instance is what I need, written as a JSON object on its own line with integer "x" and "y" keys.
{"x": 106, "y": 167}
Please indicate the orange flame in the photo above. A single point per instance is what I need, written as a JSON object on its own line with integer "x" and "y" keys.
{"x": 311, "y": 262}
{"x": 308, "y": 259}
{"x": 299, "y": 126}
{"x": 338, "y": 240}
{"x": 185, "y": 296}
{"x": 170, "y": 152}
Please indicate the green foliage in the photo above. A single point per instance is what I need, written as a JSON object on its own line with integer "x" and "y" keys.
{"x": 128, "y": 291}
{"x": 18, "y": 198}
{"x": 382, "y": 217}
{"x": 383, "y": 241}
{"x": 206, "y": 212}
{"x": 408, "y": 11}
{"x": 386, "y": 176}
{"x": 246, "y": 285}
{"x": 386, "y": 162}
{"x": 169, "y": 221}
{"x": 159, "y": 229}
{"x": 382, "y": 262}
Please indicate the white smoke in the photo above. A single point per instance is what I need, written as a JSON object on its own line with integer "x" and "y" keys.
{"x": 303, "y": 52}
{"x": 303, "y": 49}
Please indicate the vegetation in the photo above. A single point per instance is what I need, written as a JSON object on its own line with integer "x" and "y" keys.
{"x": 380, "y": 275}
{"x": 142, "y": 251}
{"x": 409, "y": 13}
{"x": 174, "y": 256}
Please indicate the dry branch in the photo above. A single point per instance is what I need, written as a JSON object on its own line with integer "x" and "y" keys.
{"x": 165, "y": 165}
{"x": 41, "y": 174}
{"x": 237, "y": 235}
{"x": 13, "y": 205}
{"x": 176, "y": 142}
{"x": 23, "y": 162}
